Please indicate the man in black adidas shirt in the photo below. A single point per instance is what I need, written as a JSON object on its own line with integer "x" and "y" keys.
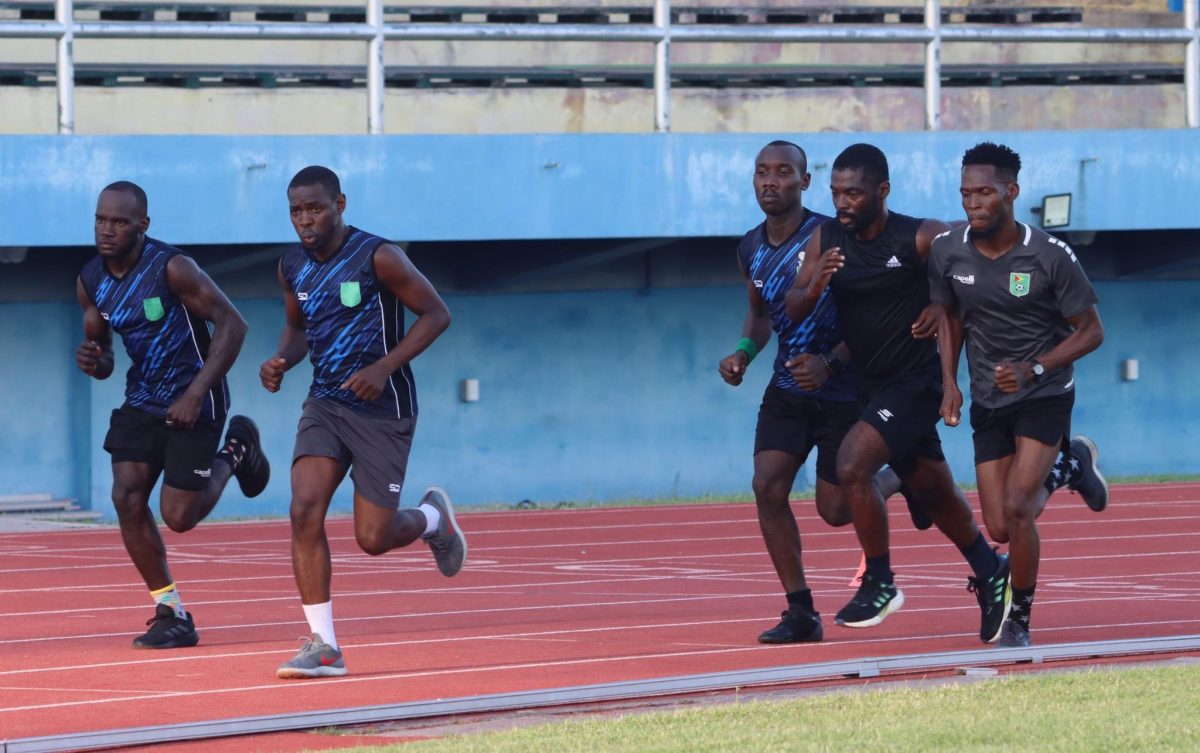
{"x": 874, "y": 262}
{"x": 1028, "y": 313}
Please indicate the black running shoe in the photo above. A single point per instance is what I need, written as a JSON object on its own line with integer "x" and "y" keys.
{"x": 873, "y": 602}
{"x": 994, "y": 595}
{"x": 1013, "y": 636}
{"x": 1090, "y": 484}
{"x": 921, "y": 519}
{"x": 797, "y": 626}
{"x": 168, "y": 631}
{"x": 253, "y": 472}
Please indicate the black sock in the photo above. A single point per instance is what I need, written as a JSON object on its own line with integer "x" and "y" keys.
{"x": 981, "y": 557}
{"x": 801, "y": 600}
{"x": 1066, "y": 471}
{"x": 1022, "y": 605}
{"x": 880, "y": 568}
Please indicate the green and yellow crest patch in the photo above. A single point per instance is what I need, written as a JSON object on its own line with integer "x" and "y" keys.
{"x": 1018, "y": 284}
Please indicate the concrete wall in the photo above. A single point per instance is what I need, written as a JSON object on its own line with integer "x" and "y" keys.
{"x": 231, "y": 190}
{"x": 585, "y": 395}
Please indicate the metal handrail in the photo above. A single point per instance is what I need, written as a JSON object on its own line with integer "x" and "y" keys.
{"x": 65, "y": 29}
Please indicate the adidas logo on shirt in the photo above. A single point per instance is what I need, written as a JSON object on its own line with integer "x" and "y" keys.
{"x": 893, "y": 263}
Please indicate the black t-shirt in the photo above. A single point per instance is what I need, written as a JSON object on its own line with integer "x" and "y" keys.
{"x": 879, "y": 293}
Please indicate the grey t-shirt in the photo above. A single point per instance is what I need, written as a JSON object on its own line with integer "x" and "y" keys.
{"x": 1013, "y": 308}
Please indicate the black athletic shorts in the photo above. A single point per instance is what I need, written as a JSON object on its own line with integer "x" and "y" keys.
{"x": 185, "y": 455}
{"x": 905, "y": 410}
{"x": 1046, "y": 419}
{"x": 794, "y": 423}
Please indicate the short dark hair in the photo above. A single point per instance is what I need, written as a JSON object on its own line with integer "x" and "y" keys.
{"x": 1005, "y": 160}
{"x": 803, "y": 163}
{"x": 315, "y": 175}
{"x": 134, "y": 190}
{"x": 865, "y": 157}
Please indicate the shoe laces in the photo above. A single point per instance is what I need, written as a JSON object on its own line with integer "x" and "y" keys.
{"x": 310, "y": 646}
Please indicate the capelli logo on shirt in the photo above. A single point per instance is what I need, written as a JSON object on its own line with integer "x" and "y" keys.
{"x": 965, "y": 279}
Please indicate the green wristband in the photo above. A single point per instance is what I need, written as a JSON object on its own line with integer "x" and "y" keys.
{"x": 747, "y": 346}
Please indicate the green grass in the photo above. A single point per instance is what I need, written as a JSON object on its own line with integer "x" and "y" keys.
{"x": 1144, "y": 709}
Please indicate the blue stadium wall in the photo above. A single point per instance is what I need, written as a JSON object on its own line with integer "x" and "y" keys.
{"x": 588, "y": 394}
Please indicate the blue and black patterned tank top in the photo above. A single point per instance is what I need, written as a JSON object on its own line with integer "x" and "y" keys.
{"x": 351, "y": 321}
{"x": 772, "y": 270}
{"x": 166, "y": 343}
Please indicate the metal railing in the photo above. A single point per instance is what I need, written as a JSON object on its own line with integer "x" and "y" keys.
{"x": 65, "y": 29}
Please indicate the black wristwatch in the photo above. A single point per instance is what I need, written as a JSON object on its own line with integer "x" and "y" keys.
{"x": 1038, "y": 370}
{"x": 833, "y": 363}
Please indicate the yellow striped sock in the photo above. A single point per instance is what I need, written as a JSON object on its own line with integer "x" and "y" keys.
{"x": 169, "y": 596}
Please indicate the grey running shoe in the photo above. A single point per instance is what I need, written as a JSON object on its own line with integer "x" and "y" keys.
{"x": 315, "y": 659}
{"x": 1013, "y": 635}
{"x": 448, "y": 544}
{"x": 797, "y": 626}
{"x": 168, "y": 631}
{"x": 1090, "y": 484}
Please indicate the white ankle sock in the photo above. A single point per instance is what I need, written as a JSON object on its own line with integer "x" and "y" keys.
{"x": 320, "y": 620}
{"x": 433, "y": 517}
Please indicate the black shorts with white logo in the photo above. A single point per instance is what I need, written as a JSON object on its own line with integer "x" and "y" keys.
{"x": 1046, "y": 419}
{"x": 185, "y": 455}
{"x": 374, "y": 449}
{"x": 905, "y": 410}
{"x": 795, "y": 423}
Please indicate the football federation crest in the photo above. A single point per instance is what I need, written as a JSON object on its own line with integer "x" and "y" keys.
{"x": 351, "y": 294}
{"x": 1018, "y": 284}
{"x": 153, "y": 309}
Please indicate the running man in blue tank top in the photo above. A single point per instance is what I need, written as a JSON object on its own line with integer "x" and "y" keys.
{"x": 345, "y": 292}
{"x": 812, "y": 398}
{"x": 176, "y": 397}
{"x": 874, "y": 262}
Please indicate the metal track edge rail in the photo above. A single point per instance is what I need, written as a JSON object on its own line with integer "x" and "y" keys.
{"x": 614, "y": 691}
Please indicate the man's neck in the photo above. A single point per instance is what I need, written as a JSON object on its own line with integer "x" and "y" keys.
{"x": 781, "y": 227}
{"x": 998, "y": 243}
{"x": 875, "y": 229}
{"x": 119, "y": 266}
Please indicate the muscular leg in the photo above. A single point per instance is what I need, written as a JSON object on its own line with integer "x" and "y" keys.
{"x": 933, "y": 485}
{"x": 379, "y": 530}
{"x": 132, "y": 485}
{"x": 774, "y": 473}
{"x": 182, "y": 510}
{"x": 861, "y": 456}
{"x": 314, "y": 480}
{"x": 1024, "y": 497}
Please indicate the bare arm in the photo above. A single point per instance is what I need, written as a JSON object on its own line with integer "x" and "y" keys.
{"x": 928, "y": 230}
{"x": 94, "y": 356}
{"x": 812, "y": 278}
{"x": 1088, "y": 335}
{"x": 397, "y": 273}
{"x": 201, "y": 296}
{"x": 950, "y": 342}
{"x": 756, "y": 326}
{"x": 293, "y": 345}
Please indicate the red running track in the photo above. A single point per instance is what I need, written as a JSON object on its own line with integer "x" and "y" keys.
{"x": 549, "y": 599}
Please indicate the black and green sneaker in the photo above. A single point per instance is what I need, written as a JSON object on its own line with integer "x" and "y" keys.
{"x": 874, "y": 601}
{"x": 994, "y": 595}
